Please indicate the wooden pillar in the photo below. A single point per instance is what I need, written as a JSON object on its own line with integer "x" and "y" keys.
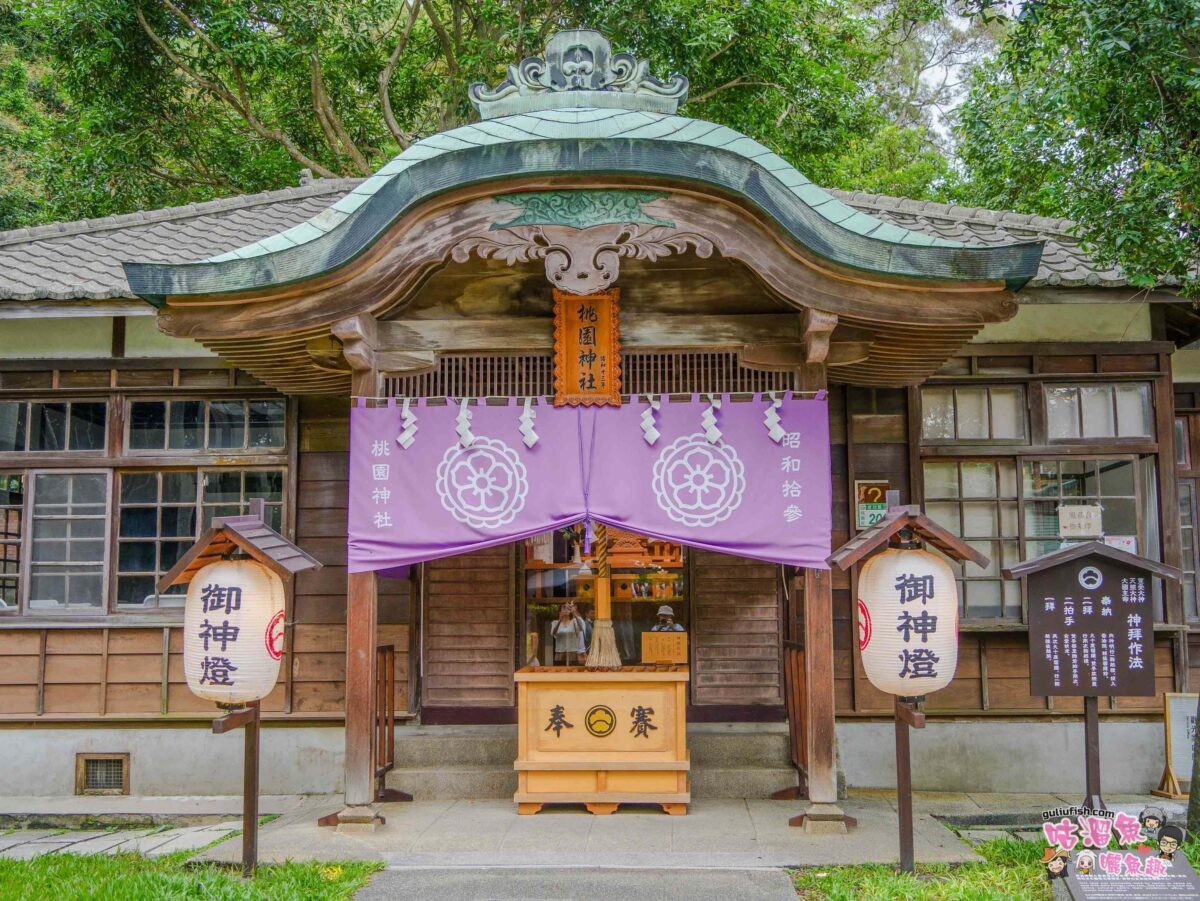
{"x": 362, "y": 606}
{"x": 823, "y": 814}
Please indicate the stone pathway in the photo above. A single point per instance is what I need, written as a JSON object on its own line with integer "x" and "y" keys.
{"x": 26, "y": 844}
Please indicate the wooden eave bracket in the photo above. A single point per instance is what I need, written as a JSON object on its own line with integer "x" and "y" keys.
{"x": 1087, "y": 549}
{"x": 817, "y": 330}
{"x": 363, "y": 348}
{"x": 897, "y": 518}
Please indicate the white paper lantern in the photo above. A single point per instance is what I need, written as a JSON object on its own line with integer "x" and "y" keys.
{"x": 908, "y": 621}
{"x": 233, "y": 631}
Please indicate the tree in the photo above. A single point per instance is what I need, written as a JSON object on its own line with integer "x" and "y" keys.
{"x": 1091, "y": 110}
{"x": 166, "y": 101}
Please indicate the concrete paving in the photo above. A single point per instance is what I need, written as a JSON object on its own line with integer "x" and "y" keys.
{"x": 583, "y": 884}
{"x": 26, "y": 844}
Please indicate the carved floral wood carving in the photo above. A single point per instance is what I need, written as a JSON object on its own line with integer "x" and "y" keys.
{"x": 581, "y": 261}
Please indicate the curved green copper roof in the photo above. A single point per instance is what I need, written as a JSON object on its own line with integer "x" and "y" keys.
{"x": 587, "y": 141}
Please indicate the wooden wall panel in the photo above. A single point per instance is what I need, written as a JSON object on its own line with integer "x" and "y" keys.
{"x": 736, "y": 616}
{"x": 469, "y": 604}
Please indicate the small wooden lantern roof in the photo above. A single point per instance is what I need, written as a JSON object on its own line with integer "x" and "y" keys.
{"x": 1088, "y": 549}
{"x": 897, "y": 518}
{"x": 245, "y": 533}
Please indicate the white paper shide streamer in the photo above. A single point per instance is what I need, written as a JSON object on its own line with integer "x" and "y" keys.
{"x": 908, "y": 621}
{"x": 650, "y": 430}
{"x": 771, "y": 420}
{"x": 233, "y": 631}
{"x": 408, "y": 425}
{"x": 528, "y": 435}
{"x": 463, "y": 424}
{"x": 708, "y": 421}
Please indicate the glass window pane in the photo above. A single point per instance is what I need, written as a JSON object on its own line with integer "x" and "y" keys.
{"x": 1041, "y": 519}
{"x": 47, "y": 589}
{"x": 88, "y": 422}
{"x": 982, "y": 598}
{"x": 1182, "y": 439}
{"x": 989, "y": 549}
{"x": 1012, "y": 599}
{"x": 84, "y": 588}
{"x": 1062, "y": 413}
{"x": 1008, "y": 478}
{"x": 267, "y": 485}
{"x": 90, "y": 489}
{"x": 187, "y": 425}
{"x": 139, "y": 487}
{"x": 972, "y": 412}
{"x": 48, "y": 427}
{"x": 1008, "y": 413}
{"x": 222, "y": 486}
{"x": 135, "y": 589}
{"x": 979, "y": 479}
{"x": 137, "y": 522}
{"x": 1119, "y": 516}
{"x": 941, "y": 480}
{"x": 12, "y": 425}
{"x": 275, "y": 517}
{"x": 1116, "y": 478}
{"x": 170, "y": 552}
{"x": 137, "y": 556}
{"x": 266, "y": 423}
{"x": 147, "y": 425}
{"x": 1097, "y": 405}
{"x": 179, "y": 487}
{"x": 178, "y": 521}
{"x": 1041, "y": 478}
{"x": 1078, "y": 478}
{"x": 227, "y": 424}
{"x": 945, "y": 515}
{"x": 1133, "y": 411}
{"x": 1008, "y": 519}
{"x": 937, "y": 414}
{"x": 980, "y": 520}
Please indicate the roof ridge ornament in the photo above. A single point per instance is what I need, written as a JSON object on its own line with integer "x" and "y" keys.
{"x": 579, "y": 70}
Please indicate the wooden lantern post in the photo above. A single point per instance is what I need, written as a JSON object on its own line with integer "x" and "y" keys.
{"x": 904, "y": 525}
{"x": 249, "y": 536}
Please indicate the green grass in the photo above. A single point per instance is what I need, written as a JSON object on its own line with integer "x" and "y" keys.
{"x": 1013, "y": 872}
{"x": 130, "y": 877}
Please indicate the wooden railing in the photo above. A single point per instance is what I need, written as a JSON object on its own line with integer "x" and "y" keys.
{"x": 797, "y": 712}
{"x": 385, "y": 710}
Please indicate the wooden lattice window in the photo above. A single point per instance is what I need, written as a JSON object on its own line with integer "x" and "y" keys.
{"x": 532, "y": 375}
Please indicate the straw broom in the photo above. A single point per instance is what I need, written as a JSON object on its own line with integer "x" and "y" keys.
{"x": 603, "y": 654}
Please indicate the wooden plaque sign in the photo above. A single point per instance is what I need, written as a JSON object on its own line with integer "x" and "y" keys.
{"x": 587, "y": 348}
{"x": 664, "y": 647}
{"x": 1091, "y": 629}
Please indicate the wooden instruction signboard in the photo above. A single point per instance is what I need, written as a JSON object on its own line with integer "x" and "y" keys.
{"x": 1179, "y": 723}
{"x": 1091, "y": 629}
{"x": 664, "y": 647}
{"x": 587, "y": 348}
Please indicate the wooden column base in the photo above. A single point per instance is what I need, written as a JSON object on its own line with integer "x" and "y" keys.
{"x": 824, "y": 819}
{"x": 364, "y": 818}
{"x": 525, "y": 809}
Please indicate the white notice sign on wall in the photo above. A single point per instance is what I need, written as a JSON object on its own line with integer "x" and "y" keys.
{"x": 1079, "y": 521}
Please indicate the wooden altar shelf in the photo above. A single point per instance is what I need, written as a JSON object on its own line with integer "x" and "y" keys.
{"x": 603, "y": 738}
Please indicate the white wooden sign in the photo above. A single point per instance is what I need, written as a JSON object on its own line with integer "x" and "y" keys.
{"x": 1079, "y": 521}
{"x": 1179, "y": 720}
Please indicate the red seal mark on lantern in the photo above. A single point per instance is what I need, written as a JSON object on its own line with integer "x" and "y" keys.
{"x": 864, "y": 625}
{"x": 274, "y": 636}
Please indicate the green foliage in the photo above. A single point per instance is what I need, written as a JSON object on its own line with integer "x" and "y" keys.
{"x": 1091, "y": 110}
{"x": 127, "y": 877}
{"x": 1013, "y": 872}
{"x": 158, "y": 102}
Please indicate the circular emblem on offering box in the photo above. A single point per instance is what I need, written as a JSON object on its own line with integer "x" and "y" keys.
{"x": 483, "y": 485}
{"x": 600, "y": 721}
{"x": 864, "y": 625}
{"x": 698, "y": 483}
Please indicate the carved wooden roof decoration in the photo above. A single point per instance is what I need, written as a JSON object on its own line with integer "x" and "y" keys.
{"x": 580, "y": 166}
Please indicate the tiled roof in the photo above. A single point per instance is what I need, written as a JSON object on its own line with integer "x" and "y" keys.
{"x": 82, "y": 260}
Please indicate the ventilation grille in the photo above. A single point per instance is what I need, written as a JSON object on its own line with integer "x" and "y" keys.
{"x": 532, "y": 375}
{"x": 102, "y": 774}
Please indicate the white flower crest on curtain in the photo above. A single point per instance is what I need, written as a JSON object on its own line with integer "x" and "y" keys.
{"x": 484, "y": 485}
{"x": 698, "y": 483}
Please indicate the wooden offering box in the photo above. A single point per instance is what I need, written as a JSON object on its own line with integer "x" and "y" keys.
{"x": 602, "y": 738}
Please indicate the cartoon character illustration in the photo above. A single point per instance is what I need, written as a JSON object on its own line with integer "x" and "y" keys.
{"x": 1169, "y": 840}
{"x": 1152, "y": 819}
{"x": 1055, "y": 860}
{"x": 1085, "y": 862}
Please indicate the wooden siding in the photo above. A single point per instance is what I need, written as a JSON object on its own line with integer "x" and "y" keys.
{"x": 736, "y": 633}
{"x": 469, "y": 629}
